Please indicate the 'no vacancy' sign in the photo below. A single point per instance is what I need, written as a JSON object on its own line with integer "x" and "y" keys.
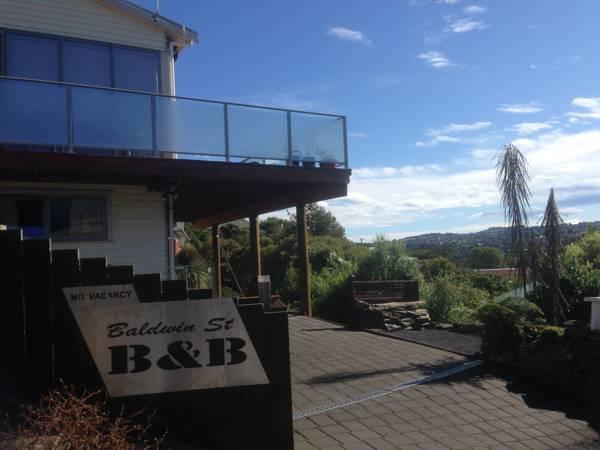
{"x": 148, "y": 348}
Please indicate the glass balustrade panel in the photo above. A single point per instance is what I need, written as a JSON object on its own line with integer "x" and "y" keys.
{"x": 111, "y": 119}
{"x": 318, "y": 138}
{"x": 33, "y": 113}
{"x": 190, "y": 126}
{"x": 257, "y": 133}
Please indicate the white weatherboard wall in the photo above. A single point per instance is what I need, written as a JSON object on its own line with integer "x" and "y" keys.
{"x": 137, "y": 224}
{"x": 84, "y": 19}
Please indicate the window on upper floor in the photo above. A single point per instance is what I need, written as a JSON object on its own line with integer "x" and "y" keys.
{"x": 85, "y": 63}
{"x": 135, "y": 70}
{"x": 32, "y": 57}
{"x": 81, "y": 62}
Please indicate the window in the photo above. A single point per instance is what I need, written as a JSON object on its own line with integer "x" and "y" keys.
{"x": 77, "y": 218}
{"x": 136, "y": 70}
{"x": 32, "y": 57}
{"x": 60, "y": 218}
{"x": 73, "y": 61}
{"x": 86, "y": 63}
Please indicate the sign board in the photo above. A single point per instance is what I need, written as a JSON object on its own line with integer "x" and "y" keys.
{"x": 149, "y": 348}
{"x": 86, "y": 296}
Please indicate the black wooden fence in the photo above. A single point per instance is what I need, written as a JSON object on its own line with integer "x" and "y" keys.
{"x": 41, "y": 346}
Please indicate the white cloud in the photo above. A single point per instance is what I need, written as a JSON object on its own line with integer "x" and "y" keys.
{"x": 520, "y": 108}
{"x": 590, "y": 105}
{"x": 436, "y": 140}
{"x": 435, "y": 59}
{"x": 349, "y": 35}
{"x": 459, "y": 128}
{"x": 357, "y": 134}
{"x": 393, "y": 196}
{"x": 474, "y": 9}
{"x": 448, "y": 2}
{"x": 527, "y": 128}
{"x": 447, "y": 134}
{"x": 464, "y": 25}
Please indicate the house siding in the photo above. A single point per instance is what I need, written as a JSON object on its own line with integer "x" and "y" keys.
{"x": 137, "y": 224}
{"x": 84, "y": 19}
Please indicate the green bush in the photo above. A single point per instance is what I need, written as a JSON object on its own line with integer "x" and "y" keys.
{"x": 492, "y": 284}
{"x": 445, "y": 294}
{"x": 437, "y": 267}
{"x": 551, "y": 334}
{"x": 288, "y": 290}
{"x": 503, "y": 329}
{"x": 387, "y": 260}
{"x": 524, "y": 309}
{"x": 582, "y": 273}
{"x": 332, "y": 294}
{"x": 463, "y": 315}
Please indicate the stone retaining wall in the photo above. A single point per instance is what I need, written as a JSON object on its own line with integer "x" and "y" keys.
{"x": 392, "y": 316}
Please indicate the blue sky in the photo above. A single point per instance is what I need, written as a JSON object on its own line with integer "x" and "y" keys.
{"x": 432, "y": 89}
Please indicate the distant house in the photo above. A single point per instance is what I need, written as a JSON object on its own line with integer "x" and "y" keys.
{"x": 97, "y": 153}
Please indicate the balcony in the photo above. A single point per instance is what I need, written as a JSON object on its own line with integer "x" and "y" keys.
{"x": 59, "y": 117}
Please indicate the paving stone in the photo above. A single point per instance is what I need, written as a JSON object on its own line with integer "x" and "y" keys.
{"x": 471, "y": 411}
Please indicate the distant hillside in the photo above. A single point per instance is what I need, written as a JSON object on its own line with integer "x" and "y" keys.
{"x": 492, "y": 237}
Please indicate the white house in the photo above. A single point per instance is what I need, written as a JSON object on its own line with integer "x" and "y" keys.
{"x": 96, "y": 153}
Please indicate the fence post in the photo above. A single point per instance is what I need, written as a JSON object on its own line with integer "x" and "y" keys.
{"x": 277, "y": 348}
{"x": 12, "y": 333}
{"x": 67, "y": 337}
{"x": 37, "y": 273}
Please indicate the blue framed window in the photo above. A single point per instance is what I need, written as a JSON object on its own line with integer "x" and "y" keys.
{"x": 135, "y": 69}
{"x": 81, "y": 62}
{"x": 85, "y": 63}
{"x": 32, "y": 57}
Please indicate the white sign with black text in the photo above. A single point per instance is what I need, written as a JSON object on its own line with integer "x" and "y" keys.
{"x": 148, "y": 348}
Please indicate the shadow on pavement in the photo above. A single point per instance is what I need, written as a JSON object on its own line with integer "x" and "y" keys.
{"x": 534, "y": 395}
{"x": 425, "y": 369}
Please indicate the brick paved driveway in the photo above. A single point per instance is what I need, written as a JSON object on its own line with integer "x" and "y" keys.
{"x": 476, "y": 409}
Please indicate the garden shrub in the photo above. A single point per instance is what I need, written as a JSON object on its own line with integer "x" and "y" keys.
{"x": 289, "y": 287}
{"x": 387, "y": 260}
{"x": 332, "y": 293}
{"x": 492, "y": 284}
{"x": 523, "y": 309}
{"x": 463, "y": 315}
{"x": 551, "y": 334}
{"x": 445, "y": 294}
{"x": 439, "y": 266}
{"x": 69, "y": 420}
{"x": 503, "y": 329}
{"x": 582, "y": 273}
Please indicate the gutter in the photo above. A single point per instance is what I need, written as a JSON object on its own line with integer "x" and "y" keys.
{"x": 176, "y": 29}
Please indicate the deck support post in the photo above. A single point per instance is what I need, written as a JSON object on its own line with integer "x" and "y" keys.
{"x": 302, "y": 231}
{"x": 216, "y": 253}
{"x": 255, "y": 253}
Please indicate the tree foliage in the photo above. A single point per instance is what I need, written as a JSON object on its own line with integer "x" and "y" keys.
{"x": 486, "y": 258}
{"x": 512, "y": 178}
{"x": 387, "y": 260}
{"x": 549, "y": 267}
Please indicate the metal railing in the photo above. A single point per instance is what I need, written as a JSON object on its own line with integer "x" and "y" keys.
{"x": 80, "y": 118}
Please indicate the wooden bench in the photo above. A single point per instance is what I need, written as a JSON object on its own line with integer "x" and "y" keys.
{"x": 385, "y": 291}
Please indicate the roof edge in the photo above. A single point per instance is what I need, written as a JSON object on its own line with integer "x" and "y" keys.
{"x": 174, "y": 29}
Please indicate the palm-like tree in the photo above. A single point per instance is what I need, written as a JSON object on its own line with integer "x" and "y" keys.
{"x": 512, "y": 178}
{"x": 552, "y": 299}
